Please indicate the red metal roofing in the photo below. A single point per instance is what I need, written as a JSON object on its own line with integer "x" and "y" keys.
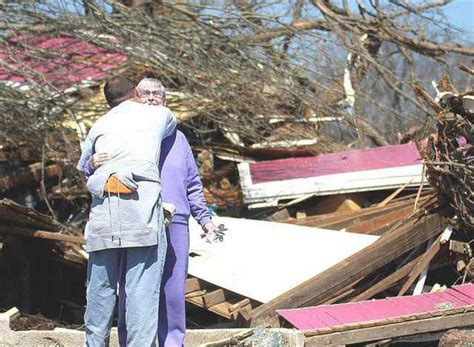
{"x": 334, "y": 163}
{"x": 70, "y": 61}
{"x": 326, "y": 316}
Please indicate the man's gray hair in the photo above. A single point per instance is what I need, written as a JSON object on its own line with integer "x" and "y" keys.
{"x": 148, "y": 82}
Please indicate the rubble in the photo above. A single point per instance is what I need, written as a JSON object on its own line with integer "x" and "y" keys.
{"x": 325, "y": 224}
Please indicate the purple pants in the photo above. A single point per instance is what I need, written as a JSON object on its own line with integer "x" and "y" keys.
{"x": 172, "y": 316}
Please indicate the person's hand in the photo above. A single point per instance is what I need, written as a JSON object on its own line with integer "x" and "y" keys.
{"x": 213, "y": 233}
{"x": 100, "y": 159}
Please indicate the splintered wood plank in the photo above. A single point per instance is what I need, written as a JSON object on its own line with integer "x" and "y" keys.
{"x": 354, "y": 220}
{"x": 245, "y": 313}
{"x": 196, "y": 300}
{"x": 222, "y": 309}
{"x": 19, "y": 215}
{"x": 393, "y": 195}
{"x": 213, "y": 303}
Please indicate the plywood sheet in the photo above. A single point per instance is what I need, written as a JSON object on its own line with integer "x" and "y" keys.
{"x": 262, "y": 260}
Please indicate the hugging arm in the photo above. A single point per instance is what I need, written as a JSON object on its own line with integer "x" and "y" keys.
{"x": 197, "y": 202}
{"x": 86, "y": 155}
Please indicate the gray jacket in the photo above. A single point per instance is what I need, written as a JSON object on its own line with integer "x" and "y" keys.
{"x": 132, "y": 133}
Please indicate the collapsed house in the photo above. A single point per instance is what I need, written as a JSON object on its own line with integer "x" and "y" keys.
{"x": 352, "y": 225}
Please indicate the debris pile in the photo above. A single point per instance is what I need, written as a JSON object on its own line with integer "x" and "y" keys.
{"x": 321, "y": 209}
{"x": 449, "y": 156}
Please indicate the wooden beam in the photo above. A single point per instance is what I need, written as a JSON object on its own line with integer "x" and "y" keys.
{"x": 15, "y": 214}
{"x": 388, "y": 281}
{"x": 379, "y": 224}
{"x": 40, "y": 234}
{"x": 322, "y": 287}
{"x": 330, "y": 218}
{"x": 394, "y": 194}
{"x": 239, "y": 305}
{"x": 401, "y": 326}
{"x": 221, "y": 309}
{"x": 362, "y": 216}
{"x": 342, "y": 293}
{"x": 422, "y": 263}
{"x": 196, "y": 294}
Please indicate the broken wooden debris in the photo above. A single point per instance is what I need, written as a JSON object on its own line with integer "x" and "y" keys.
{"x": 449, "y": 154}
{"x": 421, "y": 264}
{"x": 224, "y": 303}
{"x": 352, "y": 219}
{"x": 388, "y": 281}
{"x": 20, "y": 153}
{"x": 28, "y": 175}
{"x": 321, "y": 288}
{"x": 12, "y": 213}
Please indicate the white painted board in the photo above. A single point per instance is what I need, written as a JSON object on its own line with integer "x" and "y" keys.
{"x": 269, "y": 193}
{"x": 262, "y": 260}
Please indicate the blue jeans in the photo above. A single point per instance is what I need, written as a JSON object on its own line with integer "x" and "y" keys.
{"x": 143, "y": 267}
{"x": 172, "y": 316}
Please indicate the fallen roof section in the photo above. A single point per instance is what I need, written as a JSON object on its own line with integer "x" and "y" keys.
{"x": 72, "y": 61}
{"x": 329, "y": 316}
{"x": 386, "y": 318}
{"x": 265, "y": 183}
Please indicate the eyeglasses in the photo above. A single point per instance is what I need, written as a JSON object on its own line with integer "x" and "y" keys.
{"x": 155, "y": 93}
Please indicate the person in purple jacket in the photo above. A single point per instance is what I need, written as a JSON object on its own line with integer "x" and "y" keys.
{"x": 182, "y": 187}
